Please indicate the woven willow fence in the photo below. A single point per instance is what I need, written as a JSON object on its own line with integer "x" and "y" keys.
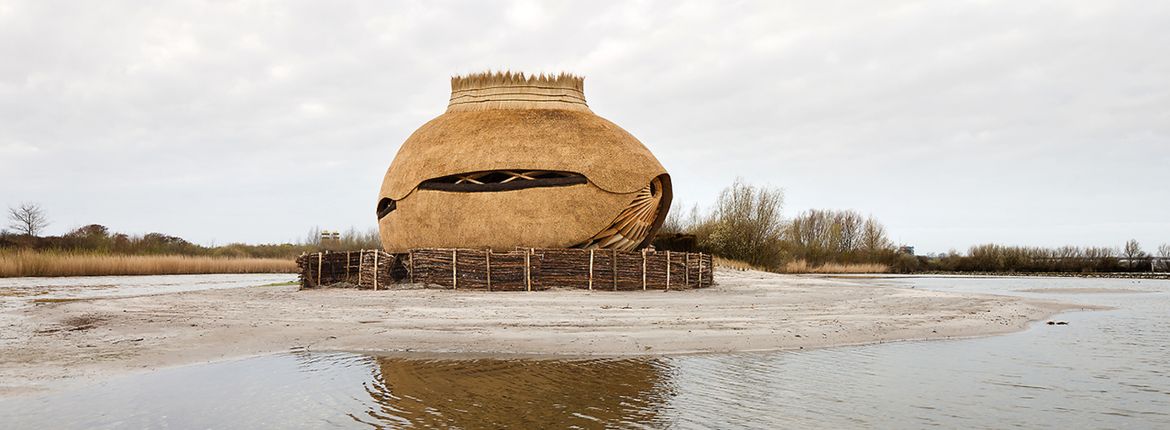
{"x": 362, "y": 269}
{"x": 518, "y": 270}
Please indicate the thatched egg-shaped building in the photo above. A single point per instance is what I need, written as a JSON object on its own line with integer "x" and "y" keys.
{"x": 521, "y": 161}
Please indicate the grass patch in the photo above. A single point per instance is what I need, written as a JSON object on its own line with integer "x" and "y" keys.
{"x": 59, "y": 300}
{"x": 727, "y": 263}
{"x": 801, "y": 266}
{"x": 280, "y": 284}
{"x": 81, "y": 322}
{"x": 33, "y": 263}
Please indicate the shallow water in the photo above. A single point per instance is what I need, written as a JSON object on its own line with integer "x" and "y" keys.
{"x": 1106, "y": 369}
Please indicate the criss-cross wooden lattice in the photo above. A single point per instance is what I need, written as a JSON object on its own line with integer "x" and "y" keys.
{"x": 498, "y": 176}
{"x": 502, "y": 180}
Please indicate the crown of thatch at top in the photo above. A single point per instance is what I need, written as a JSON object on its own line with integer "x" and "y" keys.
{"x": 508, "y": 90}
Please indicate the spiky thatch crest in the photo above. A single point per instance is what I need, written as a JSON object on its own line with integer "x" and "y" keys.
{"x": 501, "y": 78}
{"x": 512, "y": 90}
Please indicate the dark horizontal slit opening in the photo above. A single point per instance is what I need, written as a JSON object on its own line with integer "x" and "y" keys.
{"x": 502, "y": 180}
{"x": 385, "y": 206}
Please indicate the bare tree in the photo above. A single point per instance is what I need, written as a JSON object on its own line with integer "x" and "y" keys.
{"x": 746, "y": 224}
{"x": 1164, "y": 255}
{"x": 674, "y": 223}
{"x": 874, "y": 237}
{"x": 1132, "y": 252}
{"x": 28, "y": 218}
{"x": 847, "y": 231}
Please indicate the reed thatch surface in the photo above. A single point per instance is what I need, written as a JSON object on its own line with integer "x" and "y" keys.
{"x": 522, "y": 139}
{"x": 512, "y": 122}
{"x": 551, "y": 217}
{"x": 507, "y": 90}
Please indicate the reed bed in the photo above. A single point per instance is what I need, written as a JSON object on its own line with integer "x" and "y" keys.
{"x": 32, "y": 263}
{"x": 802, "y": 266}
{"x": 727, "y": 263}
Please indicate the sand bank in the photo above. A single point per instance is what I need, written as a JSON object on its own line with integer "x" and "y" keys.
{"x": 748, "y": 311}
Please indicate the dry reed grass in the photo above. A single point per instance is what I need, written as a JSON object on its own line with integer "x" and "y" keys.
{"x": 31, "y": 263}
{"x": 802, "y": 266}
{"x": 727, "y": 263}
{"x": 510, "y": 78}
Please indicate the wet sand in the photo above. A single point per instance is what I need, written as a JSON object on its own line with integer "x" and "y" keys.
{"x": 76, "y": 340}
{"x": 1084, "y": 290}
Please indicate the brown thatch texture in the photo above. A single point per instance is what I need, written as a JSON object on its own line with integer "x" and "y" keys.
{"x": 522, "y": 139}
{"x": 513, "y": 122}
{"x": 507, "y": 90}
{"x": 508, "y": 78}
{"x": 558, "y": 217}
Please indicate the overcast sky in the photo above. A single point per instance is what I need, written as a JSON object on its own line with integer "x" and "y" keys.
{"x": 954, "y": 123}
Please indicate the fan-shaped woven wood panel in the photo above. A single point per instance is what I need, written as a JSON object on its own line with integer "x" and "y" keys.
{"x": 634, "y": 224}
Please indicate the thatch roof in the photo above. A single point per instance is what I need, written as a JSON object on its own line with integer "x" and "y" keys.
{"x": 557, "y": 217}
{"x": 535, "y": 139}
{"x": 515, "y": 122}
{"x": 507, "y": 90}
{"x": 508, "y": 120}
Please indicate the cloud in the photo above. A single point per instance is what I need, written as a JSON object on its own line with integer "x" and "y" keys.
{"x": 955, "y": 123}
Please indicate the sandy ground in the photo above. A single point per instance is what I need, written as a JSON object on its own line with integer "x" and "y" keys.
{"x": 54, "y": 343}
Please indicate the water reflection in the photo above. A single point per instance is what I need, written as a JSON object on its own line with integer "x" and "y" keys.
{"x": 517, "y": 393}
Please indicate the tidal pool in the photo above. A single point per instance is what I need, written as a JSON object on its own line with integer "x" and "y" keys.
{"x": 1105, "y": 369}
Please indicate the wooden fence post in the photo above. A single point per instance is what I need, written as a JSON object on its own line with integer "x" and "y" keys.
{"x": 454, "y": 273}
{"x": 700, "y": 270}
{"x": 320, "y": 260}
{"x": 528, "y": 269}
{"x": 590, "y": 270}
{"x": 643, "y": 269}
{"x": 410, "y": 254}
{"x": 687, "y": 269}
{"x": 614, "y": 254}
{"x": 487, "y": 256}
{"x": 668, "y": 270}
{"x": 361, "y": 259}
{"x": 376, "y": 270}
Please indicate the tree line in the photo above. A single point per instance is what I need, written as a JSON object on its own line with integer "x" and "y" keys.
{"x": 746, "y": 224}
{"x": 28, "y": 220}
{"x": 1130, "y": 257}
